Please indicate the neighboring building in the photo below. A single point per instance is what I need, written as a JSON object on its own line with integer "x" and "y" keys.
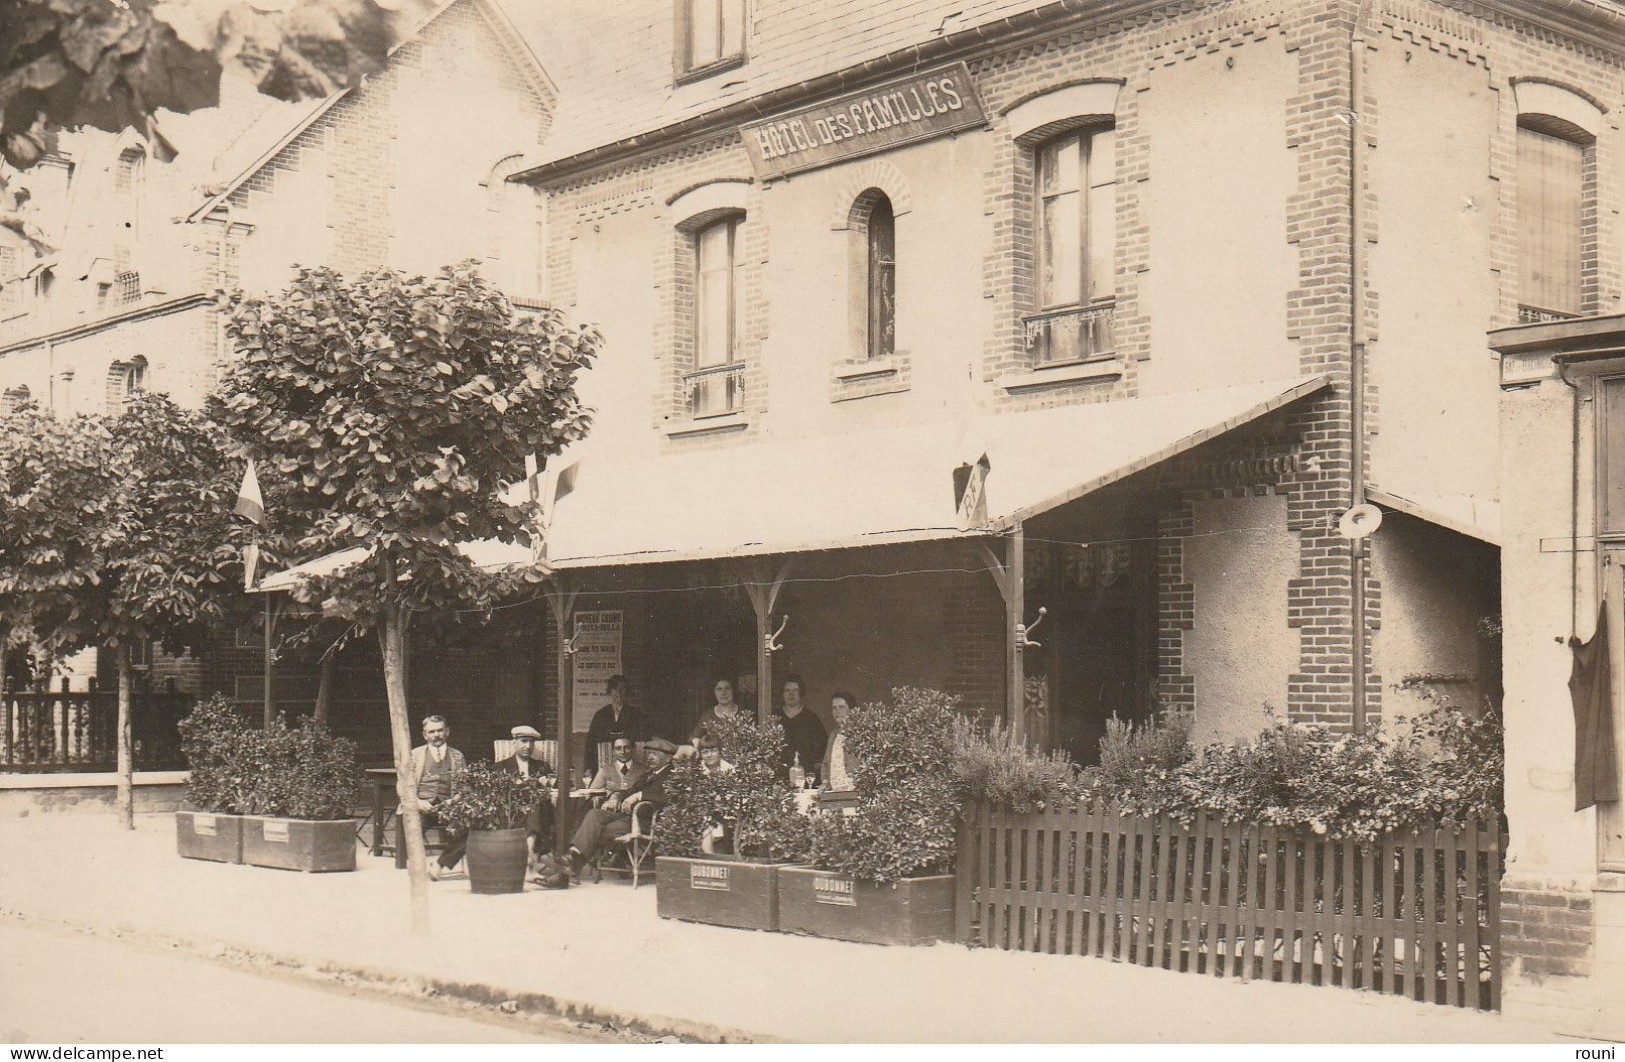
{"x": 406, "y": 170}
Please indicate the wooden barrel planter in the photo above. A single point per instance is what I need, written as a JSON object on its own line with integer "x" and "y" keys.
{"x": 719, "y": 892}
{"x": 822, "y": 903}
{"x": 207, "y": 835}
{"x": 497, "y": 860}
{"x": 299, "y": 844}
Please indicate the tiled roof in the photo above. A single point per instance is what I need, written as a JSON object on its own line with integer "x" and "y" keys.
{"x": 612, "y": 59}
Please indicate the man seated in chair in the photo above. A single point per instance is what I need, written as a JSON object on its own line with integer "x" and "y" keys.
{"x": 429, "y": 771}
{"x": 523, "y": 762}
{"x": 620, "y": 774}
{"x": 613, "y": 818}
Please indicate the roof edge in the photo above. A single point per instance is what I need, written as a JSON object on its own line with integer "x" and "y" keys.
{"x": 1042, "y": 21}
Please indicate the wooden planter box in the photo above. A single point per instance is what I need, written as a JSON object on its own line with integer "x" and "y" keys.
{"x": 299, "y": 844}
{"x": 205, "y": 835}
{"x": 826, "y": 904}
{"x": 720, "y": 892}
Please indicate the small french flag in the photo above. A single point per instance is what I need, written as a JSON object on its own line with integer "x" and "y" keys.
{"x": 250, "y": 503}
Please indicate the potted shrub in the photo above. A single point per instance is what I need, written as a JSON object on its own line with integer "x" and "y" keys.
{"x": 220, "y": 750}
{"x": 882, "y": 873}
{"x": 490, "y": 806}
{"x": 735, "y": 883}
{"x": 299, "y": 802}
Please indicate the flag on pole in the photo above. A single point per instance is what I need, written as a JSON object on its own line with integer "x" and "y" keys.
{"x": 251, "y": 563}
{"x": 249, "y": 501}
{"x": 970, "y": 493}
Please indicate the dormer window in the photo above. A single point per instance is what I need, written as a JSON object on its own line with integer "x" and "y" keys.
{"x": 711, "y": 35}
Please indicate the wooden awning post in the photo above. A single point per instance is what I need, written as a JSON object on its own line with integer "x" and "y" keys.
{"x": 764, "y": 597}
{"x": 1009, "y": 575}
{"x": 562, "y": 600}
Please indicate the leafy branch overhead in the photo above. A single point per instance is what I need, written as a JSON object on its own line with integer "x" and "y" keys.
{"x": 393, "y": 412}
{"x": 110, "y": 64}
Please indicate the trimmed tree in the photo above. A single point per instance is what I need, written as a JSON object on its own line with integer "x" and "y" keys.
{"x": 126, "y": 537}
{"x": 397, "y": 410}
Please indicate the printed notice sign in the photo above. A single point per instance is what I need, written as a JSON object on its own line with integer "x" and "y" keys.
{"x": 711, "y": 878}
{"x": 917, "y": 107}
{"x": 276, "y": 831}
{"x": 203, "y": 825}
{"x": 598, "y": 656}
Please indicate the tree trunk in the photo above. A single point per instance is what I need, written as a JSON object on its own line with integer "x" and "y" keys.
{"x": 126, "y": 758}
{"x": 324, "y": 689}
{"x": 392, "y": 636}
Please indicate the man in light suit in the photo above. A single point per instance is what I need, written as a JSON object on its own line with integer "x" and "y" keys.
{"x": 524, "y": 762}
{"x": 429, "y": 772}
{"x": 620, "y": 774}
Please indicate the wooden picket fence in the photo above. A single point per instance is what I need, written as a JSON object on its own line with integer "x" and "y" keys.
{"x": 1415, "y": 914}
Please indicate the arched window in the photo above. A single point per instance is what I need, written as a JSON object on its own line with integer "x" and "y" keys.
{"x": 716, "y": 293}
{"x": 1557, "y": 133}
{"x": 125, "y": 380}
{"x": 515, "y": 240}
{"x": 1077, "y": 218}
{"x": 880, "y": 281}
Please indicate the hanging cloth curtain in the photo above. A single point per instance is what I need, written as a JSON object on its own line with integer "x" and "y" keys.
{"x": 1596, "y": 760}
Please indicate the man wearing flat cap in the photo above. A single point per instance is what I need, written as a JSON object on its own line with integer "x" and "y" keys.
{"x": 539, "y": 823}
{"x": 613, "y": 817}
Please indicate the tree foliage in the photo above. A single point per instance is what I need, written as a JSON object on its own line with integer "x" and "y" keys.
{"x": 394, "y": 411}
{"x": 114, "y": 531}
{"x": 110, "y": 64}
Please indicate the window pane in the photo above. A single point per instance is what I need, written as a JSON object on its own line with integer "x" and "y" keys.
{"x": 1102, "y": 241}
{"x": 733, "y": 27}
{"x": 882, "y": 280}
{"x": 703, "y": 19}
{"x": 1058, "y": 166}
{"x": 712, "y": 296}
{"x": 1102, "y": 156}
{"x": 1611, "y": 466}
{"x": 1549, "y": 216}
{"x": 1061, "y": 271}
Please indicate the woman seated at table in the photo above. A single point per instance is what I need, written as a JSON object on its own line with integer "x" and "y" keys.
{"x": 711, "y": 761}
{"x": 719, "y": 835}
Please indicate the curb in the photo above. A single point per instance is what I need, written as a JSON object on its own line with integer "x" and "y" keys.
{"x": 493, "y": 999}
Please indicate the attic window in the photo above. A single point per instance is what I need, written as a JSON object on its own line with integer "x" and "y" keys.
{"x": 710, "y": 36}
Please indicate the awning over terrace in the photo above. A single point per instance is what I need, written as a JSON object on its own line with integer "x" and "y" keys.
{"x": 777, "y": 496}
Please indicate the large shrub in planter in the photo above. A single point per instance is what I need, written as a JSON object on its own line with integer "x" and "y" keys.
{"x": 484, "y": 797}
{"x": 221, "y": 751}
{"x": 908, "y": 803}
{"x": 757, "y": 808}
{"x": 304, "y": 772}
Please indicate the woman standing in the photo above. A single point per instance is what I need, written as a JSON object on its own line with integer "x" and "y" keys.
{"x": 725, "y": 709}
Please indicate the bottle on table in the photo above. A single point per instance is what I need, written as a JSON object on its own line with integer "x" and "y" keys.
{"x": 798, "y": 774}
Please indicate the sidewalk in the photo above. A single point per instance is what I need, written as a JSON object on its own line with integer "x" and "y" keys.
{"x": 601, "y": 952}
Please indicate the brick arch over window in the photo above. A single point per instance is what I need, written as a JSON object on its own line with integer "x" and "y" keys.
{"x": 1038, "y": 118}
{"x": 695, "y": 207}
{"x": 853, "y": 201}
{"x": 1569, "y": 112}
{"x": 513, "y": 241}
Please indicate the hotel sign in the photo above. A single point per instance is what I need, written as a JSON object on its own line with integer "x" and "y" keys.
{"x": 898, "y": 112}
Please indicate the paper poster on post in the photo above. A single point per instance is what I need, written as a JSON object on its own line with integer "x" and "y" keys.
{"x": 597, "y": 657}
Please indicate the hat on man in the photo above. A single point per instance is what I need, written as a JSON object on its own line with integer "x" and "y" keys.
{"x": 660, "y": 745}
{"x": 526, "y": 733}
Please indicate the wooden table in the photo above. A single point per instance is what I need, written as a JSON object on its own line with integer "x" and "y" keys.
{"x": 381, "y": 780}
